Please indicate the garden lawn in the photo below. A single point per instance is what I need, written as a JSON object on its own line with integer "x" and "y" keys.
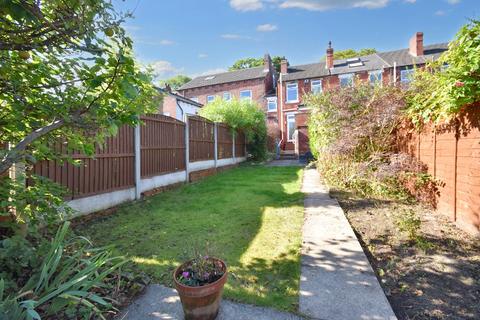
{"x": 250, "y": 216}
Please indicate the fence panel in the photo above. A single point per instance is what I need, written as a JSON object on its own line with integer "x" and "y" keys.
{"x": 111, "y": 169}
{"x": 240, "y": 144}
{"x": 162, "y": 145}
{"x": 452, "y": 153}
{"x": 201, "y": 139}
{"x": 224, "y": 141}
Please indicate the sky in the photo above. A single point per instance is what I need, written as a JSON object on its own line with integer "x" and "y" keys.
{"x": 199, "y": 37}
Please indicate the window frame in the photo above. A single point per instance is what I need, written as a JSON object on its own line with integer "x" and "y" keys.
{"x": 229, "y": 96}
{"x": 379, "y": 80}
{"x": 286, "y": 92}
{"x": 269, "y": 100}
{"x": 320, "y": 85}
{"x": 349, "y": 75}
{"x": 250, "y": 94}
{"x": 290, "y": 116}
{"x": 210, "y": 98}
{"x": 406, "y": 80}
{"x": 195, "y": 99}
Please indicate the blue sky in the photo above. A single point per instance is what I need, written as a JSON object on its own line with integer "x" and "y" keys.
{"x": 196, "y": 37}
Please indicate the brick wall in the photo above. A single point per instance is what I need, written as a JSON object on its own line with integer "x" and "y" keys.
{"x": 256, "y": 85}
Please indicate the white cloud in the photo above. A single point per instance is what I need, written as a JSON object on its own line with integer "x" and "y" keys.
{"x": 163, "y": 42}
{"x": 233, "y": 36}
{"x": 411, "y": 1}
{"x": 202, "y": 55}
{"x": 162, "y": 68}
{"x": 267, "y": 27}
{"x": 453, "y": 1}
{"x": 323, "y": 5}
{"x": 440, "y": 13}
{"x": 246, "y": 5}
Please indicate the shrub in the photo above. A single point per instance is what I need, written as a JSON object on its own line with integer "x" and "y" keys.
{"x": 242, "y": 115}
{"x": 67, "y": 284}
{"x": 446, "y": 86}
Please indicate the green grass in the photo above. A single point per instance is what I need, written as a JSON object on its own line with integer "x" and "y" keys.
{"x": 250, "y": 216}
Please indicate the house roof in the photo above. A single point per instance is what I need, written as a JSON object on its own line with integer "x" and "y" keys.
{"x": 370, "y": 62}
{"x": 180, "y": 97}
{"x": 225, "y": 77}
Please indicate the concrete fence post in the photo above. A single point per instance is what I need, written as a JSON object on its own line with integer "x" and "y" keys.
{"x": 215, "y": 143}
{"x": 138, "y": 162}
{"x": 187, "y": 150}
{"x": 233, "y": 146}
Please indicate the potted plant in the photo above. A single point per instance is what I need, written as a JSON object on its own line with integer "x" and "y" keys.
{"x": 199, "y": 283}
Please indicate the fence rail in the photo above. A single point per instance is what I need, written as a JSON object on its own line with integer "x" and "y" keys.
{"x": 162, "y": 151}
{"x": 452, "y": 153}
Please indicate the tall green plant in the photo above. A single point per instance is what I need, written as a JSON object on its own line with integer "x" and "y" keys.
{"x": 242, "y": 115}
{"x": 67, "y": 284}
{"x": 445, "y": 86}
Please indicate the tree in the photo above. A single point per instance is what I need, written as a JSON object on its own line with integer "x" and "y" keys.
{"x": 351, "y": 53}
{"x": 175, "y": 82}
{"x": 66, "y": 74}
{"x": 255, "y": 62}
{"x": 241, "y": 115}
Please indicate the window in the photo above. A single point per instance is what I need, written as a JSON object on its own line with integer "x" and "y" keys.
{"x": 406, "y": 75}
{"x": 246, "y": 94}
{"x": 272, "y": 104}
{"x": 292, "y": 92}
{"x": 316, "y": 86}
{"x": 346, "y": 80}
{"x": 290, "y": 126}
{"x": 194, "y": 99}
{"x": 210, "y": 98}
{"x": 227, "y": 96}
{"x": 375, "y": 77}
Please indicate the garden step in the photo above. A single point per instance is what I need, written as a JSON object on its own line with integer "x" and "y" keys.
{"x": 159, "y": 302}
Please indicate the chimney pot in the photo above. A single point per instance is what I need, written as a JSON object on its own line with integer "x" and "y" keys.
{"x": 284, "y": 66}
{"x": 329, "y": 59}
{"x": 416, "y": 44}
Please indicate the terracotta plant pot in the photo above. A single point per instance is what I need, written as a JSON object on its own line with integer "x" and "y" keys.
{"x": 201, "y": 303}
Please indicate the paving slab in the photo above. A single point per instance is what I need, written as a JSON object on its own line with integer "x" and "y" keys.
{"x": 337, "y": 281}
{"x": 285, "y": 163}
{"x": 159, "y": 302}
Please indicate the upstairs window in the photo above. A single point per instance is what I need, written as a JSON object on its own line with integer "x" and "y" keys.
{"x": 346, "y": 80}
{"x": 194, "y": 99}
{"x": 292, "y": 92}
{"x": 227, "y": 96}
{"x": 272, "y": 104}
{"x": 406, "y": 75}
{"x": 210, "y": 98}
{"x": 375, "y": 77}
{"x": 246, "y": 94}
{"x": 316, "y": 86}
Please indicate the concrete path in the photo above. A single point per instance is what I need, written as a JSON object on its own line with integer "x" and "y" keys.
{"x": 337, "y": 281}
{"x": 159, "y": 302}
{"x": 285, "y": 163}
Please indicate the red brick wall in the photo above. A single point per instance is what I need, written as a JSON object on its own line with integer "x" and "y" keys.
{"x": 256, "y": 85}
{"x": 169, "y": 106}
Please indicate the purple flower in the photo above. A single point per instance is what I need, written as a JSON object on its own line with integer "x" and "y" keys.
{"x": 185, "y": 274}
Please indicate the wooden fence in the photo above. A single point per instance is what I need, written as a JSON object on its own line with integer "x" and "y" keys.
{"x": 162, "y": 151}
{"x": 452, "y": 153}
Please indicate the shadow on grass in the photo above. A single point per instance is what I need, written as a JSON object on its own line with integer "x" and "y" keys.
{"x": 250, "y": 216}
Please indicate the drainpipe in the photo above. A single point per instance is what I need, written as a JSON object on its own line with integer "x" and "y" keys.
{"x": 394, "y": 73}
{"x": 281, "y": 107}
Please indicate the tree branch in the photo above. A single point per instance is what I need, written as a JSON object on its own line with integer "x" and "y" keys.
{"x": 16, "y": 153}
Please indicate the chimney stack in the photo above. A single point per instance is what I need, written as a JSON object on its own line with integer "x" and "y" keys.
{"x": 416, "y": 44}
{"x": 284, "y": 66}
{"x": 267, "y": 62}
{"x": 329, "y": 60}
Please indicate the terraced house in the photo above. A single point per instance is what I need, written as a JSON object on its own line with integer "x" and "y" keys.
{"x": 282, "y": 95}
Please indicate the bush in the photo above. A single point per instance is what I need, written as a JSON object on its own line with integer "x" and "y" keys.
{"x": 242, "y": 115}
{"x": 67, "y": 284}
{"x": 446, "y": 86}
{"x": 351, "y": 134}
